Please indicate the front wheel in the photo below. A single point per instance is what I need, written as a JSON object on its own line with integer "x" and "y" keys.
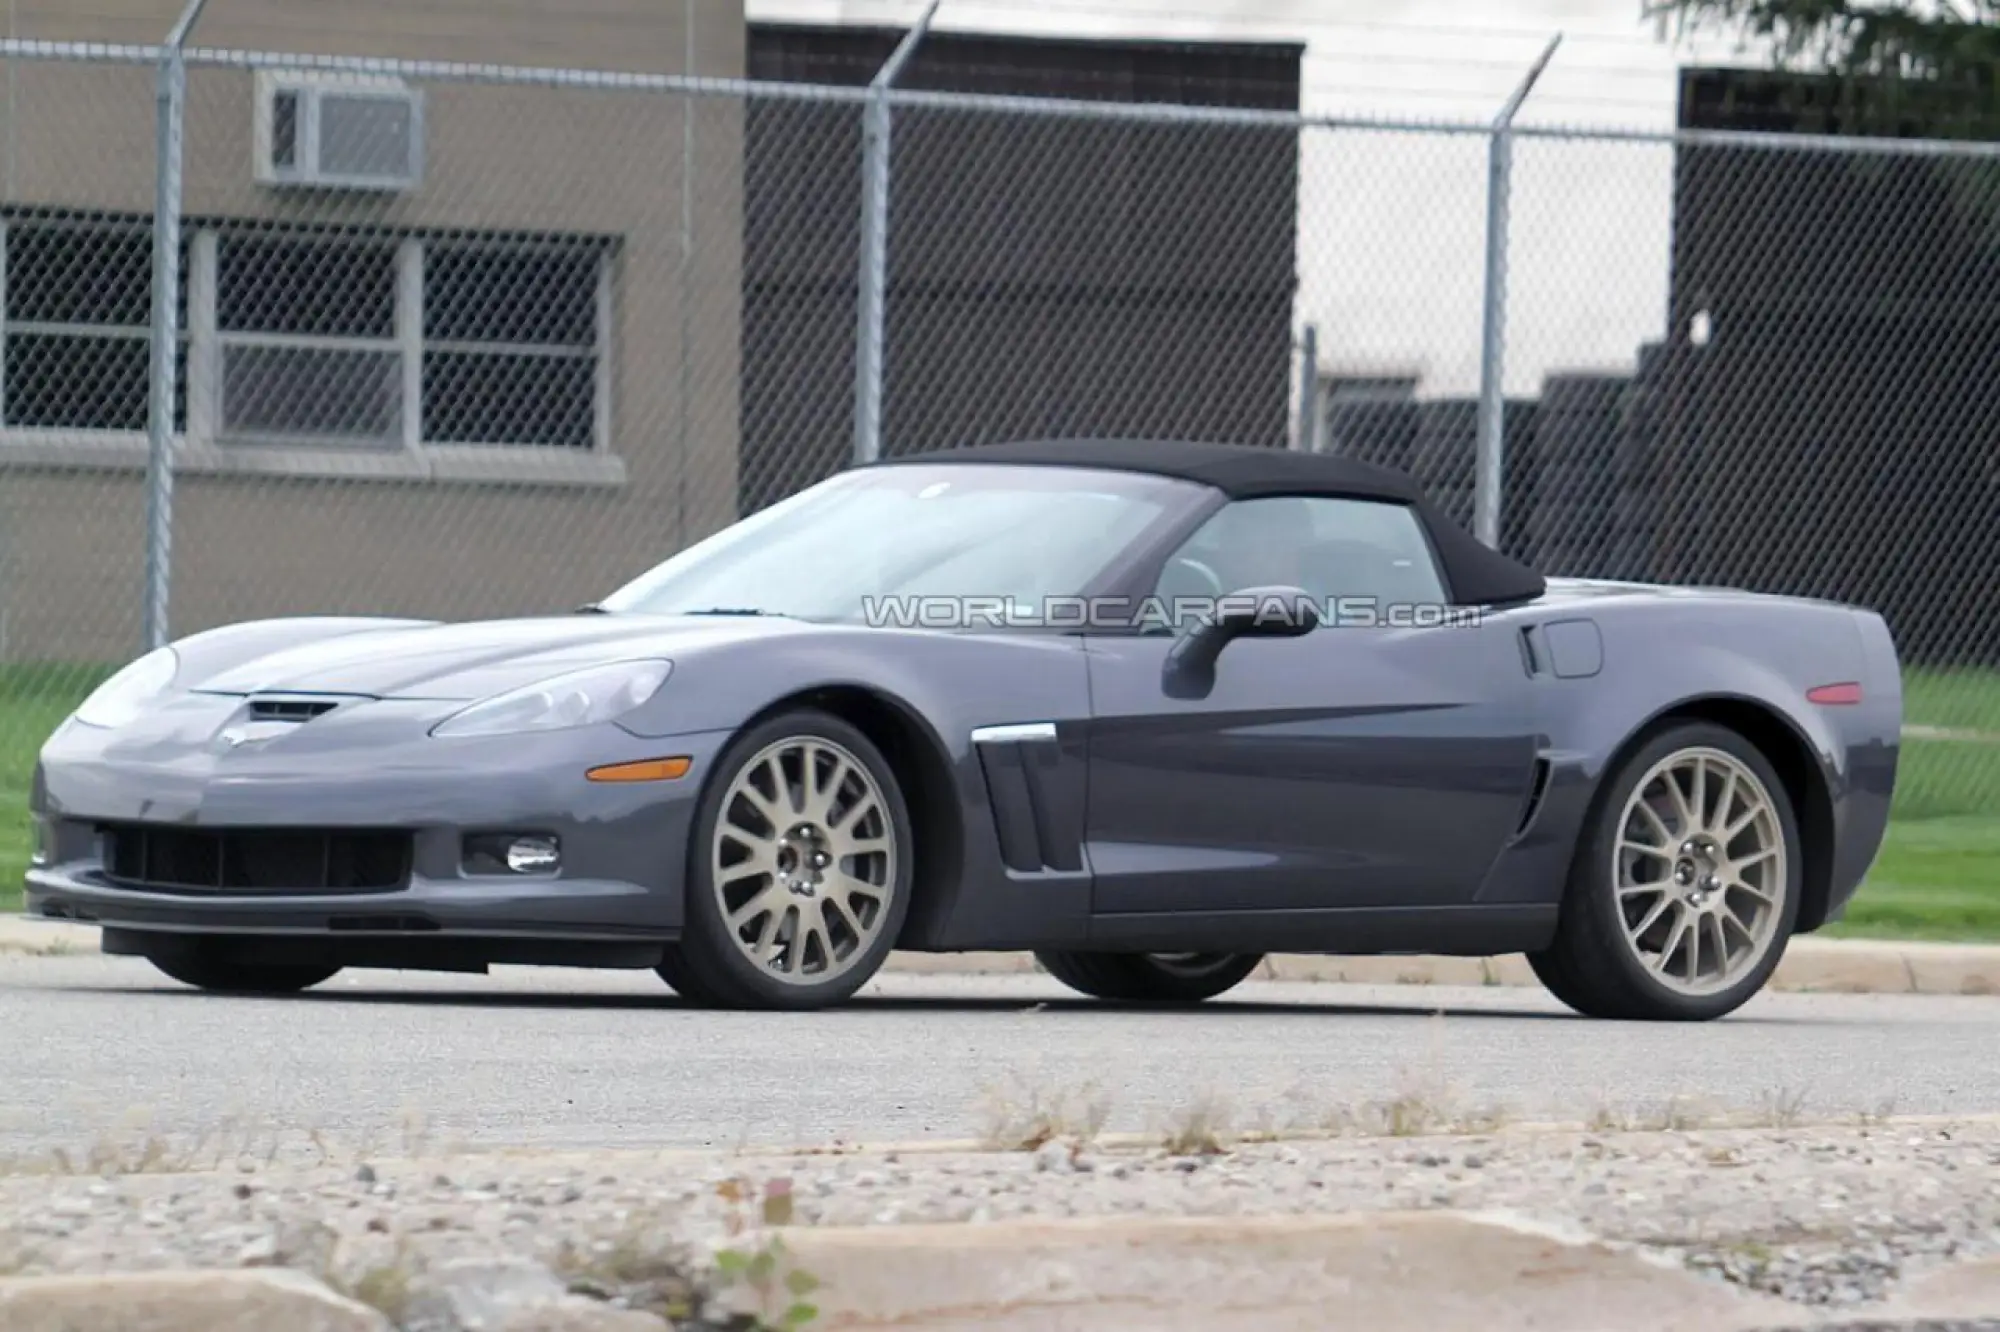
{"x": 673, "y": 969}
{"x": 1171, "y": 978}
{"x": 1686, "y": 884}
{"x": 799, "y": 869}
{"x": 227, "y": 976}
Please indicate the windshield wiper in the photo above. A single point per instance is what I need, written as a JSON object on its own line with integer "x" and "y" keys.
{"x": 753, "y": 611}
{"x": 591, "y": 608}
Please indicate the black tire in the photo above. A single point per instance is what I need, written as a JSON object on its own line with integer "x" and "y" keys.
{"x": 708, "y": 967}
{"x": 228, "y": 976}
{"x": 1550, "y": 970}
{"x": 1589, "y": 965}
{"x": 1141, "y": 978}
{"x": 673, "y": 969}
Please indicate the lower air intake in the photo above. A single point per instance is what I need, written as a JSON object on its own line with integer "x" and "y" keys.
{"x": 251, "y": 861}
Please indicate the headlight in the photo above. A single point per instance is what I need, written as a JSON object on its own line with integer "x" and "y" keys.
{"x": 578, "y": 698}
{"x": 125, "y": 696}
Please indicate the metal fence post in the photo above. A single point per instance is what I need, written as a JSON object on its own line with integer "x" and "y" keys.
{"x": 1305, "y": 439}
{"x": 163, "y": 378}
{"x": 1490, "y": 473}
{"x": 874, "y": 271}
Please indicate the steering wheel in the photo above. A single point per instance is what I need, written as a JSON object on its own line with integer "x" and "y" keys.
{"x": 1199, "y": 571}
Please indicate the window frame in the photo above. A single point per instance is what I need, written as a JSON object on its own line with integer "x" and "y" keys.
{"x": 204, "y": 447}
{"x": 1182, "y": 506}
{"x": 1424, "y": 540}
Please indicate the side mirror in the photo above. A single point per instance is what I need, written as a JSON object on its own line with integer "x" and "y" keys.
{"x": 1258, "y": 612}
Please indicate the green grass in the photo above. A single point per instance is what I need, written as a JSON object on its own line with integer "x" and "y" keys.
{"x": 1958, "y": 700}
{"x": 1947, "y": 779}
{"x": 1937, "y": 878}
{"x": 33, "y": 701}
{"x": 1938, "y": 875}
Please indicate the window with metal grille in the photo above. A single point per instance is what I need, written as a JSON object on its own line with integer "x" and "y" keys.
{"x": 77, "y": 328}
{"x": 330, "y": 339}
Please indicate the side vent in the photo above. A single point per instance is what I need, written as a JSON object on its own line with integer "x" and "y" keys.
{"x": 1538, "y": 789}
{"x": 1036, "y": 797}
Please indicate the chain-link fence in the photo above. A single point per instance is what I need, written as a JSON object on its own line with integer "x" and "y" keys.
{"x": 468, "y": 341}
{"x": 1747, "y": 360}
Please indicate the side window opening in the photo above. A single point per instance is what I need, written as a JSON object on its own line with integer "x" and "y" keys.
{"x": 1335, "y": 549}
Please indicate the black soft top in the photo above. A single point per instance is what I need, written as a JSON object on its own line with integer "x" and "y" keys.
{"x": 1474, "y": 573}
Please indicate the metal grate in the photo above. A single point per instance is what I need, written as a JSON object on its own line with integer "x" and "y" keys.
{"x": 257, "y": 860}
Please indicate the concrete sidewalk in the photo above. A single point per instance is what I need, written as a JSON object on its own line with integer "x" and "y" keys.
{"x": 1830, "y": 966}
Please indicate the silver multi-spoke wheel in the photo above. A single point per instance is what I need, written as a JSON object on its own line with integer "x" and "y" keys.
{"x": 804, "y": 862}
{"x": 1700, "y": 870}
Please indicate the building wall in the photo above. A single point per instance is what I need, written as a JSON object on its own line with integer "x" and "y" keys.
{"x": 270, "y": 528}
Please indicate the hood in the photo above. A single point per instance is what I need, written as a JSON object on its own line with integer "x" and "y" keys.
{"x": 464, "y": 662}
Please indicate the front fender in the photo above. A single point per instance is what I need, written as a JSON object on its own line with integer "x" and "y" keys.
{"x": 954, "y": 682}
{"x": 948, "y": 685}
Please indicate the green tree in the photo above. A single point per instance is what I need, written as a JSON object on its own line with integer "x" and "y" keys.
{"x": 1902, "y": 66}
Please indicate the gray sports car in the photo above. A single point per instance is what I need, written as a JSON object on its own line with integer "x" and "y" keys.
{"x": 1150, "y": 710}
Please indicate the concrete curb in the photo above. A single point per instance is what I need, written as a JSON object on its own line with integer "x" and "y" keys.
{"x": 1954, "y": 733}
{"x": 1397, "y": 1272}
{"x": 1392, "y": 1271}
{"x": 1826, "y": 966}
{"x": 254, "y": 1300}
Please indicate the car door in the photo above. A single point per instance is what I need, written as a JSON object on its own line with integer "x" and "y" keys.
{"x": 1381, "y": 760}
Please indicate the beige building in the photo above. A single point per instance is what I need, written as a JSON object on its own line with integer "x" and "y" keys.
{"x": 453, "y": 346}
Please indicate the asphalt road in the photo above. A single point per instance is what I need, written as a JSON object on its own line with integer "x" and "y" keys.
{"x": 103, "y": 1047}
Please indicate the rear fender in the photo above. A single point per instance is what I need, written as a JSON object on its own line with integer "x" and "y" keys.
{"x": 1595, "y": 722}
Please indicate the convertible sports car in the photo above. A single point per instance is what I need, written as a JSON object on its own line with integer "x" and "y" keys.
{"x": 1150, "y": 710}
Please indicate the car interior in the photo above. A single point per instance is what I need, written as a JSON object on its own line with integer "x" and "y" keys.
{"x": 1280, "y": 542}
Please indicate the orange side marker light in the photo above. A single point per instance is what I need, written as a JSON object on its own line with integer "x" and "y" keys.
{"x": 643, "y": 770}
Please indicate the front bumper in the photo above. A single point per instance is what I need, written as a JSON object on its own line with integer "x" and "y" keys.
{"x": 370, "y": 765}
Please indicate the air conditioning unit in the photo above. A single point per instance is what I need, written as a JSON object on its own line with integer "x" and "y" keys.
{"x": 338, "y": 132}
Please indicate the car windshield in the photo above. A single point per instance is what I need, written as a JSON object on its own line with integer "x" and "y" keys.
{"x": 882, "y": 543}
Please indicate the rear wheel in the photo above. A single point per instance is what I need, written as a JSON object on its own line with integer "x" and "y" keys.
{"x": 1172, "y": 978}
{"x": 229, "y": 976}
{"x": 799, "y": 869}
{"x": 1686, "y": 884}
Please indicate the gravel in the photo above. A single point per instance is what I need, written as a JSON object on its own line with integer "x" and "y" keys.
{"x": 1831, "y": 1217}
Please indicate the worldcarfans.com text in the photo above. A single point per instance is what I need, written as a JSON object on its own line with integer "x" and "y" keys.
{"x": 1177, "y": 614}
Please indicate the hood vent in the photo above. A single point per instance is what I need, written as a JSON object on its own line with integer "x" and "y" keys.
{"x": 278, "y": 708}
